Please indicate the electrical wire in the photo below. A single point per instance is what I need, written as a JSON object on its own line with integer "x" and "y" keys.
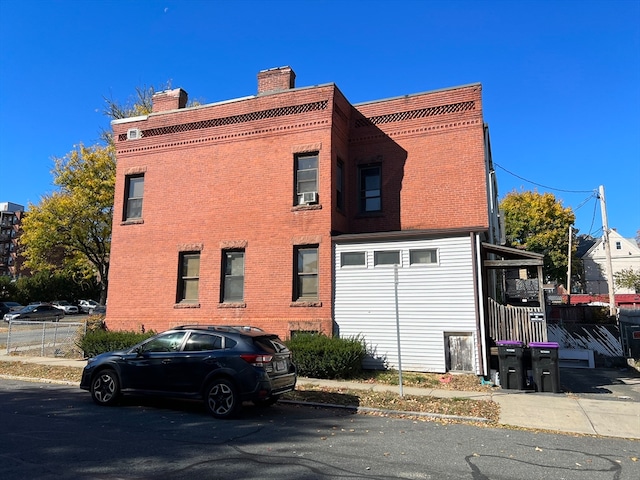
{"x": 540, "y": 185}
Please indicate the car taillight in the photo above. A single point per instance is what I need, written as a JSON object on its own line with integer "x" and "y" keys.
{"x": 257, "y": 360}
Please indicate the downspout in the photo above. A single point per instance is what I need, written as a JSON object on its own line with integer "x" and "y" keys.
{"x": 481, "y": 344}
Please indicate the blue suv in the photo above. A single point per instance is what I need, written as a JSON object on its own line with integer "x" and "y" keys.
{"x": 222, "y": 365}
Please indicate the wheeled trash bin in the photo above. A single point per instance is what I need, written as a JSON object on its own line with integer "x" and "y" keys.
{"x": 511, "y": 364}
{"x": 545, "y": 366}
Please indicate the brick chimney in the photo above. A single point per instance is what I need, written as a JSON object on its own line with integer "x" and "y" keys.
{"x": 276, "y": 80}
{"x": 169, "y": 100}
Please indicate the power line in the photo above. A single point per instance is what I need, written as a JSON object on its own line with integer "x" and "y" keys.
{"x": 540, "y": 185}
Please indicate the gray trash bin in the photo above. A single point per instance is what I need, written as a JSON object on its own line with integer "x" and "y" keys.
{"x": 545, "y": 366}
{"x": 511, "y": 364}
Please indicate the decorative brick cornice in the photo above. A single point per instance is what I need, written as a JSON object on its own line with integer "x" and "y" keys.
{"x": 218, "y": 138}
{"x": 415, "y": 131}
{"x": 416, "y": 114}
{"x": 233, "y": 119}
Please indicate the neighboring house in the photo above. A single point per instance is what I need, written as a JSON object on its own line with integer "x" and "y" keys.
{"x": 625, "y": 254}
{"x": 289, "y": 209}
{"x": 11, "y": 215}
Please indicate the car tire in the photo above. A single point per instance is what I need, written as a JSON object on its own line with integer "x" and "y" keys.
{"x": 105, "y": 387}
{"x": 221, "y": 398}
{"x": 267, "y": 402}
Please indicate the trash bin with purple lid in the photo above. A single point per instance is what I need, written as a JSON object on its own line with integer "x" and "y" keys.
{"x": 511, "y": 364}
{"x": 545, "y": 366}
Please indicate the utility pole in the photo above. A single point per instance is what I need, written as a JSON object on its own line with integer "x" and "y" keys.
{"x": 607, "y": 252}
{"x": 569, "y": 267}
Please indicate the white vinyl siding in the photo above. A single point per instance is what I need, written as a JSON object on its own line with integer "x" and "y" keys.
{"x": 433, "y": 300}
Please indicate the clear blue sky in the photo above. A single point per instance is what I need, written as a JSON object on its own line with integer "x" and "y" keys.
{"x": 561, "y": 79}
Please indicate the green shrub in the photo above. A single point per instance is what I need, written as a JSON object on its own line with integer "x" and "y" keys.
{"x": 99, "y": 341}
{"x": 319, "y": 356}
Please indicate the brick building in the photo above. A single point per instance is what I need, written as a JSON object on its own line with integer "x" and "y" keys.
{"x": 235, "y": 212}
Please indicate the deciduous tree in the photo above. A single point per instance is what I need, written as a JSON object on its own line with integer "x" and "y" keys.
{"x": 628, "y": 278}
{"x": 539, "y": 223}
{"x": 71, "y": 228}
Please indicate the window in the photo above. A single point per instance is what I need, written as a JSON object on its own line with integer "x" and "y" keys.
{"x": 233, "y": 282}
{"x": 618, "y": 246}
{"x": 340, "y": 185}
{"x": 418, "y": 257}
{"x": 306, "y": 274}
{"x": 189, "y": 277}
{"x": 306, "y": 176}
{"x": 370, "y": 192}
{"x": 352, "y": 259}
{"x": 199, "y": 342}
{"x": 133, "y": 194}
{"x": 386, "y": 258}
{"x": 170, "y": 342}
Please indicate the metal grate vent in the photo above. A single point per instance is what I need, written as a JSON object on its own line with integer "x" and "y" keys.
{"x": 413, "y": 114}
{"x": 246, "y": 117}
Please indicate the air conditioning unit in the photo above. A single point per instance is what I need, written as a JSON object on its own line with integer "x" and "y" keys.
{"x": 134, "y": 134}
{"x": 307, "y": 197}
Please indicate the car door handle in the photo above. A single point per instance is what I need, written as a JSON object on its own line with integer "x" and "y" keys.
{"x": 165, "y": 361}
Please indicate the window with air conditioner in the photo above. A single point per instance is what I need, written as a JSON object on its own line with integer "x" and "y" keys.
{"x": 306, "y": 181}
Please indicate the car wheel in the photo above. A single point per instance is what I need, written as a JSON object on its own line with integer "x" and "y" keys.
{"x": 267, "y": 402}
{"x": 105, "y": 388}
{"x": 222, "y": 398}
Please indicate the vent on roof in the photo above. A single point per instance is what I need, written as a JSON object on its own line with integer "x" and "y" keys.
{"x": 134, "y": 134}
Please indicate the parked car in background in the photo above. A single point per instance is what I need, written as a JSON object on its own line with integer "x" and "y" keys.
{"x": 221, "y": 365}
{"x": 99, "y": 310}
{"x": 39, "y": 312}
{"x": 6, "y": 307}
{"x": 66, "y": 307}
{"x": 86, "y": 305}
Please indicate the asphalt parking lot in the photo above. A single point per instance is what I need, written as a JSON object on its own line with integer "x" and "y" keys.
{"x": 602, "y": 383}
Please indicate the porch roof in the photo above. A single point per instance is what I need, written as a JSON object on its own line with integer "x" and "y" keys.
{"x": 511, "y": 257}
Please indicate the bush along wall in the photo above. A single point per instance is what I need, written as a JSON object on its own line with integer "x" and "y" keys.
{"x": 99, "y": 341}
{"x": 318, "y": 356}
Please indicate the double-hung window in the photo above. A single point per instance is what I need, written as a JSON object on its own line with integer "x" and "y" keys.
{"x": 134, "y": 191}
{"x": 306, "y": 179}
{"x": 306, "y": 273}
{"x": 233, "y": 281}
{"x": 340, "y": 186}
{"x": 189, "y": 277}
{"x": 370, "y": 189}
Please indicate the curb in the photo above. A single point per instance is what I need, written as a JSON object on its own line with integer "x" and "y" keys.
{"x": 354, "y": 409}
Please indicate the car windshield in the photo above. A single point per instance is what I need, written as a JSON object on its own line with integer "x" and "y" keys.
{"x": 29, "y": 308}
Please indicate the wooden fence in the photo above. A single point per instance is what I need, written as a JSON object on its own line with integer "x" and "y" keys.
{"x": 524, "y": 324}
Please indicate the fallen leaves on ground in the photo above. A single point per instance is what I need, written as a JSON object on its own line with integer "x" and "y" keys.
{"x": 335, "y": 396}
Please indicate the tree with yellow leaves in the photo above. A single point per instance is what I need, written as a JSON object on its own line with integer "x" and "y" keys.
{"x": 71, "y": 228}
{"x": 539, "y": 223}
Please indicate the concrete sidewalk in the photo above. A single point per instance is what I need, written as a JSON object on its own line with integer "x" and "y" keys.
{"x": 547, "y": 411}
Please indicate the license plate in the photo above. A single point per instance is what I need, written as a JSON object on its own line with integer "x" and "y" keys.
{"x": 281, "y": 365}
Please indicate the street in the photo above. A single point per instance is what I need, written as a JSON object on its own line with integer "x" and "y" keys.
{"x": 55, "y": 431}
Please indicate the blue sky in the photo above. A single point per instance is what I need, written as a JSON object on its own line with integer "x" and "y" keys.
{"x": 561, "y": 79}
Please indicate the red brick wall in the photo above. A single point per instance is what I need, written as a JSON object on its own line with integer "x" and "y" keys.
{"x": 212, "y": 185}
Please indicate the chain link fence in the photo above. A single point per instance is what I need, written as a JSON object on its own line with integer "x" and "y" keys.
{"x": 45, "y": 339}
